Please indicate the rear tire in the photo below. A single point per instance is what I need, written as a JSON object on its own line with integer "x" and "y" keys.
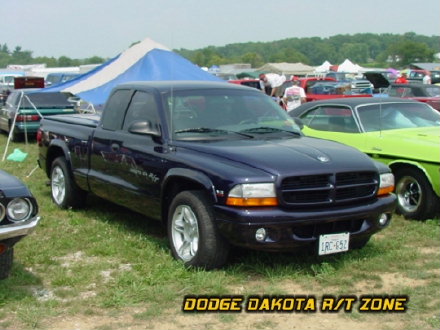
{"x": 64, "y": 191}
{"x": 415, "y": 197}
{"x": 192, "y": 234}
{"x": 6, "y": 260}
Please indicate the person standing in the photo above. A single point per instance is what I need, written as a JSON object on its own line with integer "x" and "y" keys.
{"x": 427, "y": 78}
{"x": 402, "y": 79}
{"x": 294, "y": 96}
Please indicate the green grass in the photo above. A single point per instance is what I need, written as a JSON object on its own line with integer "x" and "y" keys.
{"x": 105, "y": 259}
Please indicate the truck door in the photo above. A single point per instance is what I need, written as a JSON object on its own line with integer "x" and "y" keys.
{"x": 135, "y": 159}
{"x": 105, "y": 170}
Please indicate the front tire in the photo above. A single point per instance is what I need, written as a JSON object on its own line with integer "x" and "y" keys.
{"x": 6, "y": 259}
{"x": 415, "y": 197}
{"x": 64, "y": 191}
{"x": 192, "y": 234}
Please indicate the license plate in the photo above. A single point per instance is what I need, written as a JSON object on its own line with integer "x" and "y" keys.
{"x": 333, "y": 243}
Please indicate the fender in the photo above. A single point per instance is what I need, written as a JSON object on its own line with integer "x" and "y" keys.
{"x": 191, "y": 175}
{"x": 57, "y": 143}
{"x": 431, "y": 180}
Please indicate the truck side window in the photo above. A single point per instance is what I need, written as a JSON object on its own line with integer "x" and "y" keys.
{"x": 113, "y": 116}
{"x": 143, "y": 107}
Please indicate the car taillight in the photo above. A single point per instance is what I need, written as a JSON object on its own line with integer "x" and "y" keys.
{"x": 27, "y": 118}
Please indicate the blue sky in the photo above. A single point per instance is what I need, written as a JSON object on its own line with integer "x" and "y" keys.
{"x": 85, "y": 28}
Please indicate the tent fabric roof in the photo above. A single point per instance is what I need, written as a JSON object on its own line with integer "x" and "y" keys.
{"x": 287, "y": 68}
{"x": 324, "y": 67}
{"x": 348, "y": 66}
{"x": 145, "y": 61}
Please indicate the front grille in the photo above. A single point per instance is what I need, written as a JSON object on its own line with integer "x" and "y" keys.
{"x": 328, "y": 189}
{"x": 314, "y": 230}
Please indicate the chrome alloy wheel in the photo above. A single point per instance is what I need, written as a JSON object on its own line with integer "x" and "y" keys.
{"x": 58, "y": 185}
{"x": 185, "y": 232}
{"x": 409, "y": 194}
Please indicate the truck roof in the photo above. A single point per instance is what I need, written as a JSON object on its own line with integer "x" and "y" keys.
{"x": 164, "y": 86}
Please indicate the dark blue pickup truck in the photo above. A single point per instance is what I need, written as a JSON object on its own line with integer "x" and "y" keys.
{"x": 221, "y": 165}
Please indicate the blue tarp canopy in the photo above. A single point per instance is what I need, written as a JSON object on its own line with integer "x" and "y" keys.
{"x": 145, "y": 61}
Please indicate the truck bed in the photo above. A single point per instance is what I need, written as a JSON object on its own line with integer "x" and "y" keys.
{"x": 90, "y": 120}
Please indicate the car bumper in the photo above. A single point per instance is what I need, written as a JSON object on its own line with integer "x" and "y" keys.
{"x": 287, "y": 230}
{"x": 29, "y": 127}
{"x": 18, "y": 229}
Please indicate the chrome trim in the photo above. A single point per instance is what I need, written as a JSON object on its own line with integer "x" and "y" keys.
{"x": 2, "y": 212}
{"x": 19, "y": 229}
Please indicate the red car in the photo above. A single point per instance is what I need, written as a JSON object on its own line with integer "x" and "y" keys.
{"x": 421, "y": 92}
{"x": 255, "y": 83}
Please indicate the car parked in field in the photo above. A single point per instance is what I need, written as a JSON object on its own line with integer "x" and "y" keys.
{"x": 421, "y": 92}
{"x": 404, "y": 134}
{"x": 357, "y": 86}
{"x": 56, "y": 78}
{"x": 18, "y": 217}
{"x": 31, "y": 105}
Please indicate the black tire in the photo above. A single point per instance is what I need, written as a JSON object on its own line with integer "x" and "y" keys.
{"x": 415, "y": 197}
{"x": 6, "y": 259}
{"x": 64, "y": 191}
{"x": 192, "y": 234}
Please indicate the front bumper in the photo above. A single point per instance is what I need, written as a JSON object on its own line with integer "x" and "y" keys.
{"x": 290, "y": 229}
{"x": 18, "y": 229}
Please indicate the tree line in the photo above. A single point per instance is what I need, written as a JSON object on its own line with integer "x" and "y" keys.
{"x": 24, "y": 57}
{"x": 366, "y": 49}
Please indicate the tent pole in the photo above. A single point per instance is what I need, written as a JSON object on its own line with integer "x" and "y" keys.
{"x": 11, "y": 132}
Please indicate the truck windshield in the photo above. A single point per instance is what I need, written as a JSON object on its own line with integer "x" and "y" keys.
{"x": 202, "y": 114}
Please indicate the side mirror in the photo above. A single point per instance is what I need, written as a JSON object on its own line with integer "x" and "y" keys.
{"x": 298, "y": 122}
{"x": 143, "y": 128}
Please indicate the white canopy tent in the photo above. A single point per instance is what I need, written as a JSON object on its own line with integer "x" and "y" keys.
{"x": 348, "y": 66}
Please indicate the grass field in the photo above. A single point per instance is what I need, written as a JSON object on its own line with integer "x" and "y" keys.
{"x": 106, "y": 267}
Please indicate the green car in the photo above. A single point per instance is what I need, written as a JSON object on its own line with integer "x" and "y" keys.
{"x": 24, "y": 108}
{"x": 404, "y": 134}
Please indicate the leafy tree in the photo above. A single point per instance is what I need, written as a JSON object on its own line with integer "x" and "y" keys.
{"x": 65, "y": 61}
{"x": 408, "y": 51}
{"x": 21, "y": 57}
{"x": 254, "y": 59}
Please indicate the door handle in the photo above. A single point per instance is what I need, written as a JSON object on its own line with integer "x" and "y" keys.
{"x": 115, "y": 147}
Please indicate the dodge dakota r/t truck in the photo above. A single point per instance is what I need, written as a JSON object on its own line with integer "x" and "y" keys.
{"x": 220, "y": 165}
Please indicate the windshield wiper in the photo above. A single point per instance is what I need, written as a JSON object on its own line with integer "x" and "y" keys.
{"x": 267, "y": 129}
{"x": 210, "y": 130}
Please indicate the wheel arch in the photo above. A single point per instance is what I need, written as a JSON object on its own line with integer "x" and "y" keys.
{"x": 182, "y": 179}
{"x": 397, "y": 165}
{"x": 55, "y": 150}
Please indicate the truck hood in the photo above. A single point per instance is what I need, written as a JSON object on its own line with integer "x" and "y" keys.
{"x": 301, "y": 155}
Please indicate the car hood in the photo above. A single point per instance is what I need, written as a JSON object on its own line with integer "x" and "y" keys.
{"x": 298, "y": 156}
{"x": 11, "y": 186}
{"x": 377, "y": 79}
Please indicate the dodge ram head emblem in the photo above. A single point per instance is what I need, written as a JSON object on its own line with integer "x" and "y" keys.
{"x": 323, "y": 159}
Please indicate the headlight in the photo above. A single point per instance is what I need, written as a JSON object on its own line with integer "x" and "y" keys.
{"x": 386, "y": 184}
{"x": 19, "y": 209}
{"x": 252, "y": 194}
